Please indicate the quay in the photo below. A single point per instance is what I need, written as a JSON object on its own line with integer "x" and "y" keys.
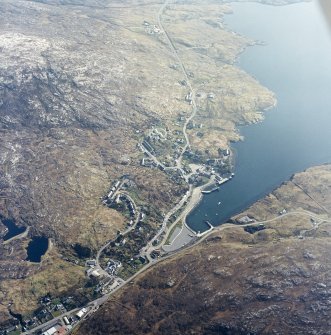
{"x": 211, "y": 227}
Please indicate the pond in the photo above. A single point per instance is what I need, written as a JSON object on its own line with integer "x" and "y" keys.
{"x": 37, "y": 247}
{"x": 13, "y": 229}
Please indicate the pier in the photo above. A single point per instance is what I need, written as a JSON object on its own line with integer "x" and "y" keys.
{"x": 211, "y": 227}
{"x": 209, "y": 191}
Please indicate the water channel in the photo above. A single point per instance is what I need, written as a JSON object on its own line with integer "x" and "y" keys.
{"x": 295, "y": 64}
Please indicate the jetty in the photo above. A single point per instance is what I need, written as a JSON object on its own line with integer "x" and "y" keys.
{"x": 223, "y": 180}
{"x": 219, "y": 181}
{"x": 211, "y": 227}
{"x": 210, "y": 191}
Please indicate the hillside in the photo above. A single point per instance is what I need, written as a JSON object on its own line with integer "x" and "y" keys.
{"x": 82, "y": 85}
{"x": 273, "y": 280}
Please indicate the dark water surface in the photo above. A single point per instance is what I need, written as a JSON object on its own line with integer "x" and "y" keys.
{"x": 296, "y": 65}
{"x": 37, "y": 247}
{"x": 13, "y": 229}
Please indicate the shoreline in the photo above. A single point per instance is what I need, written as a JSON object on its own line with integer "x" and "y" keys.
{"x": 271, "y": 106}
{"x": 18, "y": 237}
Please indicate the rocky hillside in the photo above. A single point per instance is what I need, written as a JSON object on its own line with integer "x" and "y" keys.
{"x": 273, "y": 279}
{"x": 81, "y": 84}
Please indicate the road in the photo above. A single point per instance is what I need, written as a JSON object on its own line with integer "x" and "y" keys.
{"x": 51, "y": 322}
{"x": 295, "y": 212}
{"x": 195, "y": 196}
{"x": 93, "y": 305}
{"x": 149, "y": 248}
{"x": 151, "y": 156}
{"x": 98, "y": 267}
{"x": 187, "y": 79}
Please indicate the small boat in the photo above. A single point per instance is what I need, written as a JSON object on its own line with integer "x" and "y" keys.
{"x": 218, "y": 203}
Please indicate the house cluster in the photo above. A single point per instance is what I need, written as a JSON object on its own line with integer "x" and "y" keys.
{"x": 194, "y": 179}
{"x": 56, "y": 329}
{"x": 9, "y": 329}
{"x": 189, "y": 98}
{"x": 61, "y": 328}
{"x": 91, "y": 271}
{"x": 224, "y": 153}
{"x": 158, "y": 143}
{"x": 147, "y": 162}
{"x": 44, "y": 314}
{"x": 192, "y": 156}
{"x": 113, "y": 266}
{"x": 193, "y": 125}
{"x": 108, "y": 199}
{"x": 151, "y": 28}
{"x": 156, "y": 135}
{"x": 178, "y": 149}
{"x": 147, "y": 146}
{"x": 176, "y": 176}
{"x": 49, "y": 309}
{"x": 107, "y": 284}
{"x": 129, "y": 203}
{"x": 64, "y": 326}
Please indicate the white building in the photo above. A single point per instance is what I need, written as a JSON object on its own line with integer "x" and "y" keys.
{"x": 81, "y": 313}
{"x": 50, "y": 331}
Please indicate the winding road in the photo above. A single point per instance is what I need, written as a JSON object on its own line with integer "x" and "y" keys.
{"x": 188, "y": 83}
{"x": 93, "y": 305}
{"x": 98, "y": 267}
{"x": 149, "y": 247}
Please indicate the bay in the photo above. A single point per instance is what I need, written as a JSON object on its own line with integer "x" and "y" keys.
{"x": 295, "y": 64}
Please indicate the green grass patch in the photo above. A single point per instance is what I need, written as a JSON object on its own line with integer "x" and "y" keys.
{"x": 15, "y": 332}
{"x": 56, "y": 313}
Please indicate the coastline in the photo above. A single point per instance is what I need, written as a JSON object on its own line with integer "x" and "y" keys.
{"x": 271, "y": 106}
{"x": 197, "y": 198}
